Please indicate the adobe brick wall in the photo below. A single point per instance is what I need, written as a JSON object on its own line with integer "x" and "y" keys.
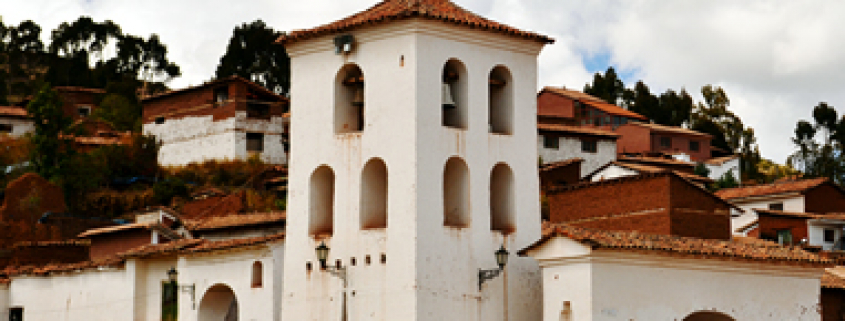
{"x": 634, "y": 139}
{"x": 769, "y": 225}
{"x": 825, "y": 198}
{"x": 680, "y": 143}
{"x": 41, "y": 255}
{"x": 72, "y": 100}
{"x": 565, "y": 175}
{"x": 696, "y": 213}
{"x": 832, "y": 304}
{"x": 613, "y": 198}
{"x": 200, "y": 102}
{"x": 554, "y": 105}
{"x": 105, "y": 245}
{"x": 215, "y": 206}
{"x": 651, "y": 223}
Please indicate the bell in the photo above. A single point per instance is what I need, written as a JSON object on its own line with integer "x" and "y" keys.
{"x": 448, "y": 102}
{"x": 358, "y": 99}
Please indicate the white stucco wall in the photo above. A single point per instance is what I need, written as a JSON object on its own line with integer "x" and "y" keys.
{"x": 816, "y": 232}
{"x": 717, "y": 171}
{"x": 631, "y": 286}
{"x": 791, "y": 203}
{"x": 199, "y": 138}
{"x": 431, "y": 270}
{"x": 20, "y": 127}
{"x": 570, "y": 147}
{"x": 612, "y": 172}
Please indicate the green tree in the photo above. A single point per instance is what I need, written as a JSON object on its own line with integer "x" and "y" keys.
{"x": 701, "y": 170}
{"x": 52, "y": 152}
{"x": 670, "y": 108}
{"x": 607, "y": 87}
{"x": 123, "y": 113}
{"x": 825, "y": 158}
{"x": 253, "y": 54}
{"x": 726, "y": 181}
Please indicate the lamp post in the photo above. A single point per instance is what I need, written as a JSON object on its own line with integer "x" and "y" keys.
{"x": 323, "y": 255}
{"x": 172, "y": 275}
{"x": 501, "y": 260}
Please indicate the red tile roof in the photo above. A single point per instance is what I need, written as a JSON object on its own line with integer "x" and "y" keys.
{"x": 655, "y": 160}
{"x": 595, "y": 102}
{"x": 641, "y": 168}
{"x": 676, "y": 245}
{"x": 831, "y": 280}
{"x": 392, "y": 10}
{"x": 11, "y": 111}
{"x": 52, "y": 243}
{"x": 236, "y": 220}
{"x": 215, "y": 82}
{"x": 577, "y": 130}
{"x": 827, "y": 216}
{"x": 565, "y": 163}
{"x": 718, "y": 161}
{"x": 5, "y": 281}
{"x": 670, "y": 129}
{"x": 795, "y": 186}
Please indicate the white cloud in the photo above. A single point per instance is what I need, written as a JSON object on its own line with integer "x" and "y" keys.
{"x": 775, "y": 59}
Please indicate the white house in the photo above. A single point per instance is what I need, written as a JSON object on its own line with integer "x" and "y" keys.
{"x": 600, "y": 275}
{"x": 413, "y": 159}
{"x": 15, "y": 122}
{"x": 595, "y": 146}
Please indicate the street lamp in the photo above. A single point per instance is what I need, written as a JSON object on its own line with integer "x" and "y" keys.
{"x": 172, "y": 275}
{"x": 322, "y": 256}
{"x": 501, "y": 260}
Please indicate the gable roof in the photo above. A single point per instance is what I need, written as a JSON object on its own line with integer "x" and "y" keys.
{"x": 594, "y": 102}
{"x": 677, "y": 245}
{"x": 564, "y": 163}
{"x": 216, "y": 82}
{"x": 643, "y": 169}
{"x": 577, "y": 131}
{"x": 793, "y": 186}
{"x": 13, "y": 111}
{"x": 236, "y": 220}
{"x": 393, "y": 10}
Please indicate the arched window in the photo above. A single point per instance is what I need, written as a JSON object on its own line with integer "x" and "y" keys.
{"x": 321, "y": 202}
{"x": 456, "y": 193}
{"x": 502, "y": 199}
{"x": 257, "y": 274}
{"x": 501, "y": 101}
{"x": 374, "y": 195}
{"x": 454, "y": 94}
{"x": 349, "y": 100}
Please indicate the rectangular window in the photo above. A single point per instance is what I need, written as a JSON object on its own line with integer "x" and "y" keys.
{"x": 221, "y": 95}
{"x": 83, "y": 111}
{"x": 551, "y": 142}
{"x": 785, "y": 237}
{"x": 694, "y": 146}
{"x": 666, "y": 142}
{"x": 5, "y": 129}
{"x": 589, "y": 146}
{"x": 776, "y": 206}
{"x": 254, "y": 142}
{"x": 829, "y": 235}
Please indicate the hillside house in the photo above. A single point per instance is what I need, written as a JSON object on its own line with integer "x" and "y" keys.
{"x": 560, "y": 173}
{"x": 647, "y": 138}
{"x": 229, "y": 118}
{"x": 569, "y": 107}
{"x": 14, "y": 121}
{"x": 659, "y": 203}
{"x": 622, "y": 168}
{"x": 817, "y": 231}
{"x": 595, "y": 147}
{"x": 78, "y": 104}
{"x": 816, "y": 196}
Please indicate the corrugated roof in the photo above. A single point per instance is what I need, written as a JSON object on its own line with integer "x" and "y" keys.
{"x": 795, "y": 186}
{"x": 392, "y": 10}
{"x": 677, "y": 245}
{"x": 577, "y": 130}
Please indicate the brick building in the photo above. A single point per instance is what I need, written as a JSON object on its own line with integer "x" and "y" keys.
{"x": 230, "y": 118}
{"x": 660, "y": 203}
{"x": 77, "y": 104}
{"x": 654, "y": 138}
{"x": 594, "y": 146}
{"x": 818, "y": 231}
{"x": 564, "y": 106}
{"x": 622, "y": 168}
{"x": 561, "y": 173}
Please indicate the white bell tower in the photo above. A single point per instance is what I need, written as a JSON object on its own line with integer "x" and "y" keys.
{"x": 412, "y": 185}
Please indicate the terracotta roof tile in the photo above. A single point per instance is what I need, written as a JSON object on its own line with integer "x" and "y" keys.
{"x": 236, "y": 220}
{"x": 771, "y": 189}
{"x": 216, "y": 82}
{"x": 52, "y": 243}
{"x": 595, "y": 102}
{"x": 831, "y": 280}
{"x": 577, "y": 130}
{"x": 116, "y": 228}
{"x": 828, "y": 216}
{"x": 572, "y": 94}
{"x": 718, "y": 161}
{"x": 670, "y": 129}
{"x": 746, "y": 226}
{"x": 754, "y": 240}
{"x": 564, "y": 163}
{"x": 654, "y": 160}
{"x": 676, "y": 245}
{"x": 392, "y": 10}
{"x": 11, "y": 111}
{"x": 655, "y": 169}
{"x": 5, "y": 281}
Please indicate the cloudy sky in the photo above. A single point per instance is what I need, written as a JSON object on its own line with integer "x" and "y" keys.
{"x": 775, "y": 59}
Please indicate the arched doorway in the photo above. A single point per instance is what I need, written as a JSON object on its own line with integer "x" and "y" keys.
{"x": 219, "y": 304}
{"x": 708, "y": 316}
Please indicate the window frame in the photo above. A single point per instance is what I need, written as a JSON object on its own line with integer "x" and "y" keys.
{"x": 87, "y": 110}
{"x": 551, "y": 142}
{"x": 832, "y": 235}
{"x": 665, "y": 142}
{"x": 776, "y": 206}
{"x": 7, "y": 128}
{"x": 589, "y": 146}
{"x": 255, "y": 137}
{"x": 697, "y": 145}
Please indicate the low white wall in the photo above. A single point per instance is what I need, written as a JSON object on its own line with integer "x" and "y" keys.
{"x": 20, "y": 127}
{"x": 84, "y": 296}
{"x": 569, "y": 148}
{"x": 654, "y": 287}
{"x": 816, "y": 233}
{"x": 200, "y": 138}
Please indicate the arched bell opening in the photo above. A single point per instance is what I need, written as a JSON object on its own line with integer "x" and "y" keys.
{"x": 501, "y": 101}
{"x": 349, "y": 100}
{"x": 453, "y": 96}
